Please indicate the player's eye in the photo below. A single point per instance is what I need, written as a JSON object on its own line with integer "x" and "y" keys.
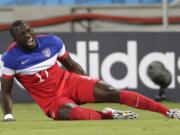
{"x": 29, "y": 30}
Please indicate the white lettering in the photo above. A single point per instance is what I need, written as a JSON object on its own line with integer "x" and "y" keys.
{"x": 94, "y": 59}
{"x": 129, "y": 59}
{"x": 81, "y": 54}
{"x": 178, "y": 64}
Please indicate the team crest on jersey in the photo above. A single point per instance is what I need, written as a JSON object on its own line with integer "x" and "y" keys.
{"x": 46, "y": 52}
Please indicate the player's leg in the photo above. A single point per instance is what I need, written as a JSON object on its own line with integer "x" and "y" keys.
{"x": 75, "y": 112}
{"x": 65, "y": 108}
{"x": 72, "y": 111}
{"x": 106, "y": 93}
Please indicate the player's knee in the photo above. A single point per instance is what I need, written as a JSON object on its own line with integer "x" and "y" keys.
{"x": 64, "y": 111}
{"x": 108, "y": 95}
{"x": 112, "y": 95}
{"x": 104, "y": 92}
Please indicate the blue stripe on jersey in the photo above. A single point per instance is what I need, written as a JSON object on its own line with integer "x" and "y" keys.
{"x": 18, "y": 58}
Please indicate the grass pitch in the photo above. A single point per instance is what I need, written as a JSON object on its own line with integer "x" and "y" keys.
{"x": 31, "y": 121}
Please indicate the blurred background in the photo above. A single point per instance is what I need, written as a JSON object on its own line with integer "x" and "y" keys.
{"x": 114, "y": 40}
{"x": 105, "y": 15}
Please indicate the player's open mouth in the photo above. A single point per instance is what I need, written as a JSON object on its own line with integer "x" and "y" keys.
{"x": 30, "y": 40}
{"x": 30, "y": 43}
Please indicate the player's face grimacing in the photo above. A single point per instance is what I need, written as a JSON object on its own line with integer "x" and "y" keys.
{"x": 24, "y": 37}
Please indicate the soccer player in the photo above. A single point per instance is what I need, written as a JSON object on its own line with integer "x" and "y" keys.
{"x": 33, "y": 61}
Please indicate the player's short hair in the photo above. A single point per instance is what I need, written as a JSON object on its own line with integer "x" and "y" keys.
{"x": 15, "y": 24}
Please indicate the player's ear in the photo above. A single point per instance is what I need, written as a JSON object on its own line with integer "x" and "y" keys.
{"x": 12, "y": 33}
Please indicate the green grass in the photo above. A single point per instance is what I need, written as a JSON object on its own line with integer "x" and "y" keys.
{"x": 31, "y": 121}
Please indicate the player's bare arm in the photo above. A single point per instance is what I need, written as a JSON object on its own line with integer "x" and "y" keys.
{"x": 72, "y": 65}
{"x": 7, "y": 99}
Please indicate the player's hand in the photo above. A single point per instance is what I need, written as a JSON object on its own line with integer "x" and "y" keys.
{"x": 8, "y": 118}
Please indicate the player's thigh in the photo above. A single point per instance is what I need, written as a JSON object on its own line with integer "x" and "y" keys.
{"x": 90, "y": 90}
{"x": 85, "y": 90}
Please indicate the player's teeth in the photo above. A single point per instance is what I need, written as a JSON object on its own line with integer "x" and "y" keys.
{"x": 30, "y": 40}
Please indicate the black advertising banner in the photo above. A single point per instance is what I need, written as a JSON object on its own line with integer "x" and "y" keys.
{"x": 121, "y": 59}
